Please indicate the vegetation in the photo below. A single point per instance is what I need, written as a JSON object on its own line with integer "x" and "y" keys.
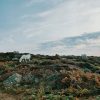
{"x": 49, "y": 77}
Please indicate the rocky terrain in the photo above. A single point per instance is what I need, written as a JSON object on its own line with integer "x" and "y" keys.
{"x": 49, "y": 77}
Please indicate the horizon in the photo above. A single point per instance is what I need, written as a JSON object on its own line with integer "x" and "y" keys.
{"x": 47, "y": 54}
{"x": 64, "y": 27}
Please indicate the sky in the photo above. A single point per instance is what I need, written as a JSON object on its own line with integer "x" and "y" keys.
{"x": 65, "y": 27}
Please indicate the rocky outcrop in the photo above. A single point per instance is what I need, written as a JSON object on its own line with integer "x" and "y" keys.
{"x": 12, "y": 80}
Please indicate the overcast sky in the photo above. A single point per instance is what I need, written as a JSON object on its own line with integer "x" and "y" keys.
{"x": 31, "y": 25}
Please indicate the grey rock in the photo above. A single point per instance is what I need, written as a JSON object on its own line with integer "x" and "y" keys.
{"x": 28, "y": 77}
{"x": 13, "y": 80}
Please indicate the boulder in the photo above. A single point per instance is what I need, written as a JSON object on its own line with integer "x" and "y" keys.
{"x": 30, "y": 78}
{"x": 13, "y": 80}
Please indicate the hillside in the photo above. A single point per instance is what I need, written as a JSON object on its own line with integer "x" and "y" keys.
{"x": 49, "y": 77}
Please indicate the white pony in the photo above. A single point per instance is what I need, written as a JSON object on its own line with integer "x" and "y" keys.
{"x": 25, "y": 58}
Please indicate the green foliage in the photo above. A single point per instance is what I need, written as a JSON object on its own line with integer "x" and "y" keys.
{"x": 98, "y": 97}
{"x": 83, "y": 91}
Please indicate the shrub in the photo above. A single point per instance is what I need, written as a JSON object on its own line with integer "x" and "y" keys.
{"x": 41, "y": 92}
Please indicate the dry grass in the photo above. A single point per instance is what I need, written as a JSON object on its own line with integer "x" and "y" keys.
{"x": 4, "y": 96}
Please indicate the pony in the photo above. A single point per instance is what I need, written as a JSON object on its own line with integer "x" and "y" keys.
{"x": 25, "y": 58}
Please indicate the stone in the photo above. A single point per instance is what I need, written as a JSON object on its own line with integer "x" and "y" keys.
{"x": 12, "y": 80}
{"x": 28, "y": 77}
